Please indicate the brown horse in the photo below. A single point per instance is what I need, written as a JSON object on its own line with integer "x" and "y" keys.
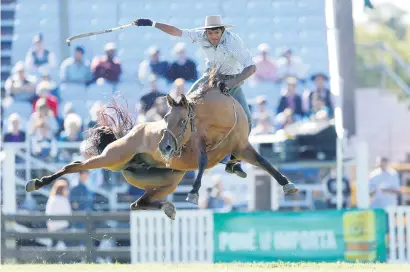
{"x": 197, "y": 133}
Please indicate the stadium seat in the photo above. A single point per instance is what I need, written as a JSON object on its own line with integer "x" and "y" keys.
{"x": 71, "y": 92}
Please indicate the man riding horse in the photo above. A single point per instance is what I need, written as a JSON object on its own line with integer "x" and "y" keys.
{"x": 224, "y": 51}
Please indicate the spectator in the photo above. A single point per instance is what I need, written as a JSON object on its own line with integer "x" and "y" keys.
{"x": 319, "y": 110}
{"x": 72, "y": 129}
{"x": 321, "y": 91}
{"x": 107, "y": 67}
{"x": 42, "y": 113}
{"x": 290, "y": 66}
{"x": 71, "y": 133}
{"x": 286, "y": 118}
{"x": 178, "y": 88}
{"x": 262, "y": 108}
{"x": 153, "y": 66}
{"x": 81, "y": 197}
{"x": 43, "y": 143}
{"x": 216, "y": 198}
{"x": 148, "y": 99}
{"x": 19, "y": 85}
{"x": 266, "y": 67}
{"x": 384, "y": 185}
{"x": 264, "y": 125}
{"x": 43, "y": 91}
{"x": 183, "y": 67}
{"x": 291, "y": 99}
{"x": 14, "y": 134}
{"x": 58, "y": 204}
{"x": 76, "y": 69}
{"x": 46, "y": 77}
{"x": 94, "y": 113}
{"x": 158, "y": 110}
{"x": 38, "y": 56}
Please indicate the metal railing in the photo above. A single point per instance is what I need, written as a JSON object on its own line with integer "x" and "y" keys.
{"x": 84, "y": 236}
{"x": 386, "y": 51}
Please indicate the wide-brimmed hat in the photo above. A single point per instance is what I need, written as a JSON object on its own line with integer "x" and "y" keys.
{"x": 322, "y": 75}
{"x": 214, "y": 21}
{"x": 109, "y": 46}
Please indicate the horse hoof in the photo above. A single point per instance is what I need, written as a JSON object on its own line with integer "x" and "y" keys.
{"x": 169, "y": 210}
{"x": 193, "y": 198}
{"x": 290, "y": 188}
{"x": 31, "y": 185}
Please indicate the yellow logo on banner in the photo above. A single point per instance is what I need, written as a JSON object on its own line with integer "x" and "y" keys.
{"x": 359, "y": 228}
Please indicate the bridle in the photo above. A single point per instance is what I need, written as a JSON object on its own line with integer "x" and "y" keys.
{"x": 179, "y": 148}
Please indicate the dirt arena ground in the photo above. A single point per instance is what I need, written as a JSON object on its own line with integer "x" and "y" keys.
{"x": 242, "y": 267}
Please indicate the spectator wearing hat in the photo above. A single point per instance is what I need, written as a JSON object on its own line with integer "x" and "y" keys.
{"x": 147, "y": 100}
{"x": 19, "y": 85}
{"x": 76, "y": 69}
{"x": 107, "y": 67}
{"x": 291, "y": 99}
{"x": 321, "y": 91}
{"x": 183, "y": 67}
{"x": 153, "y": 65}
{"x": 266, "y": 67}
{"x": 38, "y": 56}
{"x": 43, "y": 90}
{"x": 290, "y": 65}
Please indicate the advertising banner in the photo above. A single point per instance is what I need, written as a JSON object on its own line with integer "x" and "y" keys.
{"x": 324, "y": 236}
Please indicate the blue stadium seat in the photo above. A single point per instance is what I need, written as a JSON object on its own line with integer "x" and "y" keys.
{"x": 100, "y": 92}
{"x": 72, "y": 92}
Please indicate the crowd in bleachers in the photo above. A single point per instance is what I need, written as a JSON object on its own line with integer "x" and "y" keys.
{"x": 52, "y": 109}
{"x": 44, "y": 110}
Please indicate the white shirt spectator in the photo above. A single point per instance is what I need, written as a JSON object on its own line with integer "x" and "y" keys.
{"x": 379, "y": 181}
{"x": 289, "y": 65}
{"x": 230, "y": 56}
{"x": 58, "y": 205}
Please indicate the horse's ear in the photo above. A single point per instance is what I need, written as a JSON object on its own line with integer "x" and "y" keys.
{"x": 184, "y": 101}
{"x": 170, "y": 101}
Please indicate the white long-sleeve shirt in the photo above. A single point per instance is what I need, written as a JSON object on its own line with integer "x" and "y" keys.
{"x": 380, "y": 180}
{"x": 58, "y": 205}
{"x": 230, "y": 56}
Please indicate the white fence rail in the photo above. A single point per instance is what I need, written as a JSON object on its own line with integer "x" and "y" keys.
{"x": 399, "y": 234}
{"x": 156, "y": 239}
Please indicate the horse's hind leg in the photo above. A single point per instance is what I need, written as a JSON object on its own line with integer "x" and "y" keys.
{"x": 250, "y": 155}
{"x": 112, "y": 156}
{"x": 151, "y": 200}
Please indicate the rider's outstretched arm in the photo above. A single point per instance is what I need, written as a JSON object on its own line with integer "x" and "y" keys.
{"x": 169, "y": 29}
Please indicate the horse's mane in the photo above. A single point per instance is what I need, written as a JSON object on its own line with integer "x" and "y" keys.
{"x": 215, "y": 77}
{"x": 114, "y": 122}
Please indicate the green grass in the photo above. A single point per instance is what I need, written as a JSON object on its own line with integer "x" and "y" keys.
{"x": 237, "y": 267}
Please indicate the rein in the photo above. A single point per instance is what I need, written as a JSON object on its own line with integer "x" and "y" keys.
{"x": 179, "y": 147}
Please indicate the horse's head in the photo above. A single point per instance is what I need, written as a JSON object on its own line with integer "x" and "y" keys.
{"x": 179, "y": 125}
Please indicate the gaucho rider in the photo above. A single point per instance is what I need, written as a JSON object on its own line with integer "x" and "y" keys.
{"x": 225, "y": 51}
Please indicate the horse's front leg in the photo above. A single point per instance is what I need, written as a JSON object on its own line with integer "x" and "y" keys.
{"x": 193, "y": 195}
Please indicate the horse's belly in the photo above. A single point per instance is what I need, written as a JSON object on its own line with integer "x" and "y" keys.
{"x": 153, "y": 177}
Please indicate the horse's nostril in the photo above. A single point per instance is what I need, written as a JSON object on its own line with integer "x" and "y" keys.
{"x": 168, "y": 148}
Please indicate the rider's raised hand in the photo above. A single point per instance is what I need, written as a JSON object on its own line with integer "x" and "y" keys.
{"x": 143, "y": 22}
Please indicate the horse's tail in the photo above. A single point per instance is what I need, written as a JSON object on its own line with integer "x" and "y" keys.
{"x": 114, "y": 122}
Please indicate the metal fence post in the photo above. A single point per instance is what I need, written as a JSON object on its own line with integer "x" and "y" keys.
{"x": 90, "y": 242}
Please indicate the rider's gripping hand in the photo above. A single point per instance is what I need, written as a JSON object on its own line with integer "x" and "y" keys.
{"x": 143, "y": 22}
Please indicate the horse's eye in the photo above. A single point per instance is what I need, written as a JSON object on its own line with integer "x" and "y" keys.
{"x": 183, "y": 122}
